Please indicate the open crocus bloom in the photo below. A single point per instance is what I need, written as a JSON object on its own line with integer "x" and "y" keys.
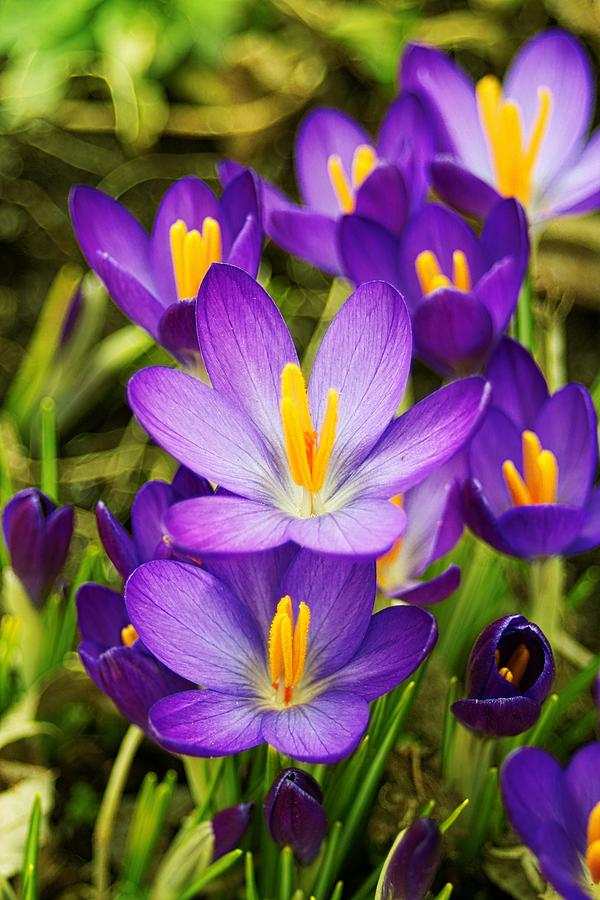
{"x": 533, "y": 462}
{"x": 154, "y": 279}
{"x": 148, "y": 539}
{"x": 287, "y": 653}
{"x": 525, "y": 139}
{"x": 116, "y": 660}
{"x": 316, "y": 467}
{"x": 556, "y": 813}
{"x": 434, "y": 524}
{"x": 461, "y": 290}
{"x": 341, "y": 172}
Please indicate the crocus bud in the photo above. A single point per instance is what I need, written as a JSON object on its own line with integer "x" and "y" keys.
{"x": 229, "y": 826}
{"x": 411, "y": 864}
{"x": 294, "y": 814}
{"x": 37, "y": 534}
{"x": 509, "y": 675}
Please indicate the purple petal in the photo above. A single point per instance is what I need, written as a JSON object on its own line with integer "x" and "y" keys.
{"x": 560, "y": 863}
{"x": 384, "y": 198}
{"x": 116, "y": 541}
{"x": 229, "y": 826}
{"x": 540, "y": 530}
{"x": 340, "y": 594}
{"x": 310, "y": 235}
{"x": 129, "y": 293}
{"x": 398, "y": 640}
{"x": 364, "y": 528}
{"x": 505, "y": 233}
{"x": 518, "y": 386}
{"x": 453, "y": 331}
{"x": 496, "y": 441}
{"x": 324, "y": 730}
{"x": 101, "y": 615}
{"x": 200, "y": 428}
{"x": 406, "y": 138}
{"x": 481, "y": 519}
{"x": 204, "y": 723}
{"x": 188, "y": 199}
{"x": 369, "y": 252}
{"x": 589, "y": 536}
{"x": 195, "y": 625}
{"x": 147, "y": 517}
{"x": 239, "y": 201}
{"x": 577, "y": 188}
{"x": 498, "y": 291}
{"x": 555, "y": 60}
{"x": 431, "y": 592}
{"x": 177, "y": 330}
{"x": 294, "y": 814}
{"x": 463, "y": 190}
{"x": 424, "y": 438}
{"x": 187, "y": 484}
{"x": 322, "y": 133}
{"x": 365, "y": 355}
{"x": 583, "y": 791}
{"x": 59, "y": 531}
{"x": 567, "y": 425}
{"x": 245, "y": 345}
{"x": 500, "y": 716}
{"x": 410, "y": 868}
{"x": 222, "y": 524}
{"x": 532, "y": 785}
{"x": 247, "y": 247}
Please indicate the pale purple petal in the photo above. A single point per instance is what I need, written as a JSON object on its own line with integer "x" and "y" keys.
{"x": 364, "y": 528}
{"x": 223, "y": 524}
{"x": 577, "y": 188}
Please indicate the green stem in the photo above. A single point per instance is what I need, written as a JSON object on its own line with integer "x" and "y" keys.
{"x": 555, "y": 362}
{"x": 109, "y": 808}
{"x": 547, "y": 595}
{"x": 524, "y": 315}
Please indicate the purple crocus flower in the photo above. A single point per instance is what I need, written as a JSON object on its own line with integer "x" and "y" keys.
{"x": 341, "y": 171}
{"x": 526, "y": 139}
{"x": 556, "y": 813}
{"x": 509, "y": 675}
{"x": 532, "y": 463}
{"x": 116, "y": 660}
{"x": 154, "y": 279}
{"x": 461, "y": 290}
{"x": 148, "y": 511}
{"x": 37, "y": 534}
{"x": 434, "y": 524}
{"x": 316, "y": 468}
{"x": 294, "y": 814}
{"x": 412, "y": 863}
{"x": 287, "y": 653}
{"x": 229, "y": 826}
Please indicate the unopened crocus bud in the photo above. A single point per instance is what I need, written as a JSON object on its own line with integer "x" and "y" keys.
{"x": 294, "y": 814}
{"x": 37, "y": 534}
{"x": 229, "y": 826}
{"x": 411, "y": 864}
{"x": 509, "y": 675}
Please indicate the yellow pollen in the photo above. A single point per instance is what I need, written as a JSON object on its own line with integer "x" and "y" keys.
{"x": 287, "y": 646}
{"x": 192, "y": 253}
{"x": 592, "y": 856}
{"x": 513, "y": 158}
{"x": 431, "y": 277}
{"x": 516, "y": 666}
{"x": 540, "y": 481}
{"x": 308, "y": 452}
{"x": 385, "y": 562}
{"x": 363, "y": 163}
{"x": 129, "y": 635}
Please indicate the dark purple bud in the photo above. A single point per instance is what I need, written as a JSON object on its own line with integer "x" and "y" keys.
{"x": 410, "y": 868}
{"x": 71, "y": 317}
{"x": 294, "y": 814}
{"x": 37, "y": 534}
{"x": 229, "y": 827}
{"x": 116, "y": 541}
{"x": 509, "y": 675}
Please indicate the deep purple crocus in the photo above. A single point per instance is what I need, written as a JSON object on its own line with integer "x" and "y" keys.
{"x": 294, "y": 814}
{"x": 229, "y": 826}
{"x": 316, "y": 468}
{"x": 533, "y": 462}
{"x": 148, "y": 530}
{"x": 412, "y": 863}
{"x": 37, "y": 534}
{"x": 154, "y": 279}
{"x": 434, "y": 524}
{"x": 556, "y": 813}
{"x": 461, "y": 290}
{"x": 116, "y": 660}
{"x": 525, "y": 139}
{"x": 509, "y": 675}
{"x": 342, "y": 172}
{"x": 288, "y": 654}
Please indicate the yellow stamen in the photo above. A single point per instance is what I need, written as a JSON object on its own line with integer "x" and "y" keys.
{"x": 540, "y": 470}
{"x": 431, "y": 277}
{"x": 592, "y": 855}
{"x": 512, "y": 158}
{"x": 515, "y": 668}
{"x": 307, "y": 451}
{"x": 387, "y": 560}
{"x": 364, "y": 161}
{"x": 288, "y": 645}
{"x": 129, "y": 635}
{"x": 506, "y": 673}
{"x": 192, "y": 253}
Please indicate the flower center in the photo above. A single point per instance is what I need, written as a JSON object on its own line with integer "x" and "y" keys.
{"x": 287, "y": 646}
{"x": 129, "y": 635}
{"x": 192, "y": 253}
{"x": 512, "y": 158}
{"x": 385, "y": 563}
{"x": 431, "y": 277}
{"x": 592, "y": 856}
{"x": 307, "y": 451}
{"x": 363, "y": 163}
{"x": 515, "y": 667}
{"x": 540, "y": 480}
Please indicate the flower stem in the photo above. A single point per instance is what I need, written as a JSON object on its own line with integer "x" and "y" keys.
{"x": 109, "y": 808}
{"x": 547, "y": 595}
{"x": 555, "y": 364}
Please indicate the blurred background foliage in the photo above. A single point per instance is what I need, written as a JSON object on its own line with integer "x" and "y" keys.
{"x": 129, "y": 96}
